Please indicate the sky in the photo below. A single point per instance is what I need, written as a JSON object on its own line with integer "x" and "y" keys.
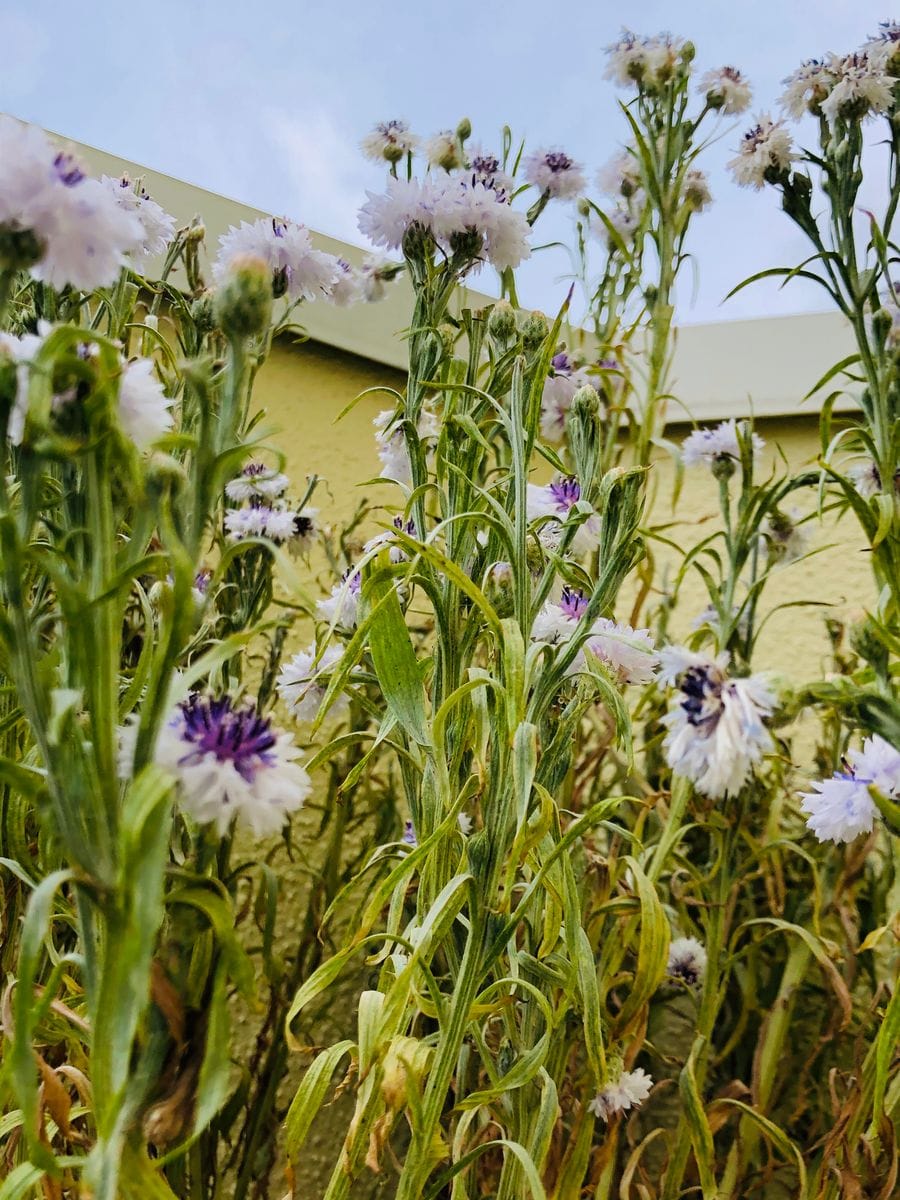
{"x": 267, "y": 102}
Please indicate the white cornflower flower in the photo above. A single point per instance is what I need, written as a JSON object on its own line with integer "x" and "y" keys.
{"x": 866, "y": 478}
{"x": 304, "y": 531}
{"x": 624, "y": 219}
{"x": 715, "y": 726}
{"x": 888, "y": 41}
{"x": 348, "y": 287}
{"x": 721, "y": 444}
{"x": 785, "y": 537}
{"x": 696, "y": 189}
{"x": 298, "y": 270}
{"x": 807, "y": 87}
{"x": 388, "y": 538}
{"x": 391, "y": 443}
{"x": 442, "y": 150}
{"x": 241, "y": 523}
{"x": 629, "y": 1091}
{"x": 626, "y": 59}
{"x": 484, "y": 168}
{"x": 842, "y": 808}
{"x": 766, "y": 153}
{"x": 341, "y": 608}
{"x": 385, "y": 218}
{"x": 302, "y": 682}
{"x": 862, "y": 86}
{"x": 81, "y": 235}
{"x": 375, "y": 274}
{"x": 229, "y": 762}
{"x": 464, "y": 821}
{"x": 556, "y": 623}
{"x": 559, "y": 391}
{"x": 389, "y": 141}
{"x": 21, "y": 350}
{"x": 144, "y": 408}
{"x": 630, "y": 654}
{"x": 257, "y": 480}
{"x": 726, "y": 90}
{"x": 158, "y": 226}
{"x": 687, "y": 961}
{"x": 621, "y": 175}
{"x": 464, "y": 209}
{"x": 554, "y": 172}
{"x": 557, "y": 500}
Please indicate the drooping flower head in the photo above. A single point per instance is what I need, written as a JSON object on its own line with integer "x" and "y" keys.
{"x": 230, "y": 764}
{"x": 687, "y": 961}
{"x": 716, "y": 731}
{"x": 391, "y": 444}
{"x": 553, "y": 172}
{"x": 298, "y": 270}
{"x": 442, "y": 150}
{"x": 765, "y": 155}
{"x": 726, "y": 90}
{"x": 145, "y": 410}
{"x": 348, "y": 286}
{"x": 621, "y": 175}
{"x": 389, "y": 141}
{"x": 841, "y": 808}
{"x": 629, "y": 654}
{"x": 629, "y": 1090}
{"x": 695, "y": 189}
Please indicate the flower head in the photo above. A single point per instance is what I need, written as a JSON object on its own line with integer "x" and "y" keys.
{"x": 765, "y": 155}
{"x": 726, "y": 90}
{"x": 298, "y": 270}
{"x": 389, "y": 141}
{"x": 719, "y": 445}
{"x": 256, "y": 480}
{"x": 442, "y": 150}
{"x": 230, "y": 763}
{"x": 348, "y": 286}
{"x": 341, "y": 608}
{"x": 302, "y": 682}
{"x": 556, "y": 500}
{"x": 696, "y": 189}
{"x": 862, "y": 86}
{"x": 553, "y": 172}
{"x": 807, "y": 87}
{"x": 630, "y": 654}
{"x": 72, "y": 227}
{"x": 687, "y": 961}
{"x": 157, "y": 225}
{"x": 560, "y": 387}
{"x": 629, "y": 1091}
{"x": 715, "y": 724}
{"x": 842, "y": 808}
{"x": 144, "y": 408}
{"x": 391, "y": 443}
{"x": 621, "y": 175}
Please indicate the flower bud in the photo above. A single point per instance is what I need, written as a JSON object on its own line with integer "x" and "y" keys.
{"x": 502, "y": 322}
{"x": 197, "y": 231}
{"x": 865, "y": 639}
{"x": 243, "y": 303}
{"x": 203, "y": 313}
{"x": 464, "y": 129}
{"x": 535, "y": 329}
{"x": 499, "y": 588}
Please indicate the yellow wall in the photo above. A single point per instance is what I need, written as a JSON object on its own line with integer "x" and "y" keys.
{"x": 303, "y": 387}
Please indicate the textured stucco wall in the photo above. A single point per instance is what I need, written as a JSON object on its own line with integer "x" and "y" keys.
{"x": 303, "y": 388}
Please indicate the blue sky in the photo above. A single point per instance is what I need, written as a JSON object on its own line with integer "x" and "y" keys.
{"x": 266, "y": 102}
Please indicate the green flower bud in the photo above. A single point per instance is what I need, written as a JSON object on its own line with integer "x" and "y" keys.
{"x": 464, "y": 129}
{"x": 535, "y": 329}
{"x": 502, "y": 322}
{"x": 203, "y": 312}
{"x": 243, "y": 303}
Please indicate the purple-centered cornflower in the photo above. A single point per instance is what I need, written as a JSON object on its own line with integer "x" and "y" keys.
{"x": 229, "y": 762}
{"x": 842, "y": 808}
{"x": 556, "y": 500}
